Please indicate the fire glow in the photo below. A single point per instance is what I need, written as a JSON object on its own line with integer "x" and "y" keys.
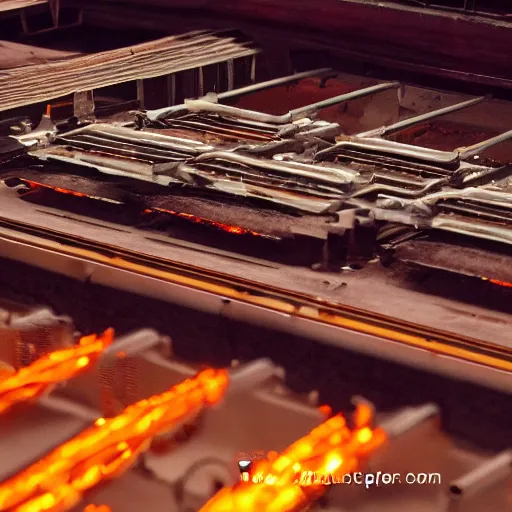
{"x": 108, "y": 448}
{"x": 31, "y": 382}
{"x": 501, "y": 283}
{"x": 236, "y": 230}
{"x": 34, "y": 186}
{"x": 331, "y": 448}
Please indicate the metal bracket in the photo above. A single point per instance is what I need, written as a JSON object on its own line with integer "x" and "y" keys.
{"x": 55, "y": 6}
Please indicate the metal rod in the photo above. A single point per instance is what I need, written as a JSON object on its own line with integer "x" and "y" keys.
{"x": 409, "y": 419}
{"x": 230, "y": 67}
{"x": 360, "y": 93}
{"x": 55, "y": 10}
{"x": 269, "y": 84}
{"x": 200, "y": 76}
{"x": 157, "y": 114}
{"x": 475, "y": 149}
{"x": 251, "y": 375}
{"x": 24, "y": 23}
{"x": 171, "y": 89}
{"x": 134, "y": 343}
{"x": 140, "y": 92}
{"x": 490, "y": 472}
{"x": 253, "y": 69}
{"x": 204, "y": 105}
{"x": 38, "y": 319}
{"x": 408, "y": 123}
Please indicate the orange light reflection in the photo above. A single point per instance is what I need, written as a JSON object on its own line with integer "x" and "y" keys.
{"x": 34, "y": 380}
{"x": 108, "y": 448}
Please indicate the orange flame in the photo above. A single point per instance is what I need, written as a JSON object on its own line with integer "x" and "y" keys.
{"x": 97, "y": 508}
{"x": 108, "y": 448}
{"x": 330, "y": 449}
{"x": 32, "y": 381}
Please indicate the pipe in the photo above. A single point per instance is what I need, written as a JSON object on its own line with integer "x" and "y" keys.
{"x": 134, "y": 343}
{"x": 475, "y": 149}
{"x": 410, "y": 418}
{"x": 482, "y": 477}
{"x": 408, "y": 123}
{"x": 251, "y": 375}
{"x": 270, "y": 83}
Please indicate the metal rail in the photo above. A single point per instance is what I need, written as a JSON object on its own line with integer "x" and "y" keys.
{"x": 292, "y": 115}
{"x": 276, "y": 82}
{"x": 414, "y": 121}
{"x": 204, "y": 105}
{"x": 271, "y": 298}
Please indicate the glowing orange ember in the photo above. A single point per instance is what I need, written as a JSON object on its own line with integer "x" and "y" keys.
{"x": 108, "y": 448}
{"x": 296, "y": 477}
{"x": 237, "y": 230}
{"x": 501, "y": 283}
{"x": 32, "y": 381}
{"x": 35, "y": 185}
{"x": 97, "y": 508}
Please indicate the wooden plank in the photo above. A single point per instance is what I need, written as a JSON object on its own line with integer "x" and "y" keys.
{"x": 11, "y": 5}
{"x": 14, "y": 55}
{"x": 33, "y": 84}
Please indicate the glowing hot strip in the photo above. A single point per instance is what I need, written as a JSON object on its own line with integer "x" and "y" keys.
{"x": 97, "y": 508}
{"x": 286, "y": 480}
{"x": 32, "y": 381}
{"x": 34, "y": 186}
{"x": 237, "y": 230}
{"x": 108, "y": 448}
